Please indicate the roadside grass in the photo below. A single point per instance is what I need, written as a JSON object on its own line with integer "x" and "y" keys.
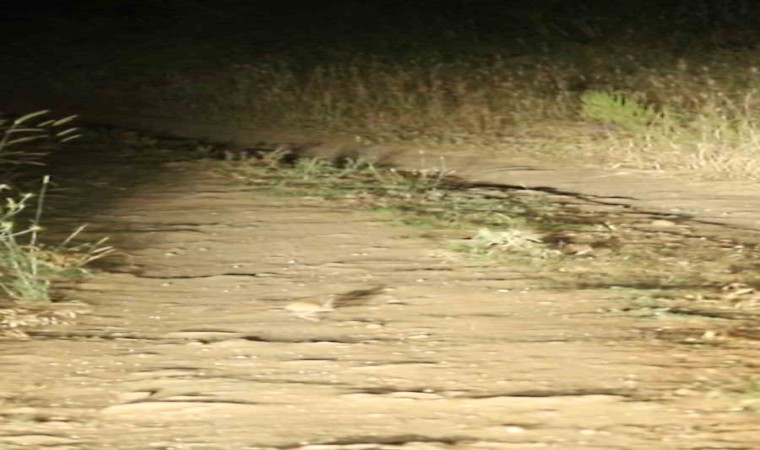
{"x": 27, "y": 266}
{"x": 616, "y": 106}
{"x": 671, "y": 89}
{"x": 665, "y": 268}
{"x": 26, "y": 140}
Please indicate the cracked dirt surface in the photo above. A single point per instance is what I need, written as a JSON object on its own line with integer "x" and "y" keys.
{"x": 193, "y": 341}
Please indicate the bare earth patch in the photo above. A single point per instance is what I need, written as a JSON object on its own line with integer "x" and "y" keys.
{"x": 203, "y": 338}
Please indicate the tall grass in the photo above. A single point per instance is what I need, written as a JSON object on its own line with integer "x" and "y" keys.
{"x": 23, "y": 140}
{"x": 382, "y": 98}
{"x": 479, "y": 73}
{"x": 20, "y": 278}
{"x": 611, "y": 105}
{"x": 26, "y": 265}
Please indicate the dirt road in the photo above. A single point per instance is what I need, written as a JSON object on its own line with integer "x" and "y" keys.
{"x": 213, "y": 334}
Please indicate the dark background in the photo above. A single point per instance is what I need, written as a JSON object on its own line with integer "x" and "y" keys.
{"x": 353, "y": 22}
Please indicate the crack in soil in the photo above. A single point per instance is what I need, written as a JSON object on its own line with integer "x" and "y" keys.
{"x": 394, "y": 440}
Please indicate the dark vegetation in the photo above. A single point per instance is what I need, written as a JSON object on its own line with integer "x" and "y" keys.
{"x": 653, "y": 84}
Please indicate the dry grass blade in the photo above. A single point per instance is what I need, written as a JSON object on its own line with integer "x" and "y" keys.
{"x": 65, "y": 120}
{"x": 32, "y": 115}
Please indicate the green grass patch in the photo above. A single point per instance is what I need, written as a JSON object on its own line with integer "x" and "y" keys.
{"x": 752, "y": 391}
{"x": 619, "y": 110}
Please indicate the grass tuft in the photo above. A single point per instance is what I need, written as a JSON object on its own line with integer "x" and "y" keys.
{"x": 619, "y": 110}
{"x": 16, "y": 136}
{"x": 26, "y": 266}
{"x": 511, "y": 240}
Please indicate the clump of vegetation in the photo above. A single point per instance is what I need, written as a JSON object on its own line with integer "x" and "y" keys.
{"x": 26, "y": 265}
{"x": 521, "y": 241}
{"x": 618, "y": 110}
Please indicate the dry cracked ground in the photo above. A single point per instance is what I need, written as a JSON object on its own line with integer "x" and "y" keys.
{"x": 214, "y": 331}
